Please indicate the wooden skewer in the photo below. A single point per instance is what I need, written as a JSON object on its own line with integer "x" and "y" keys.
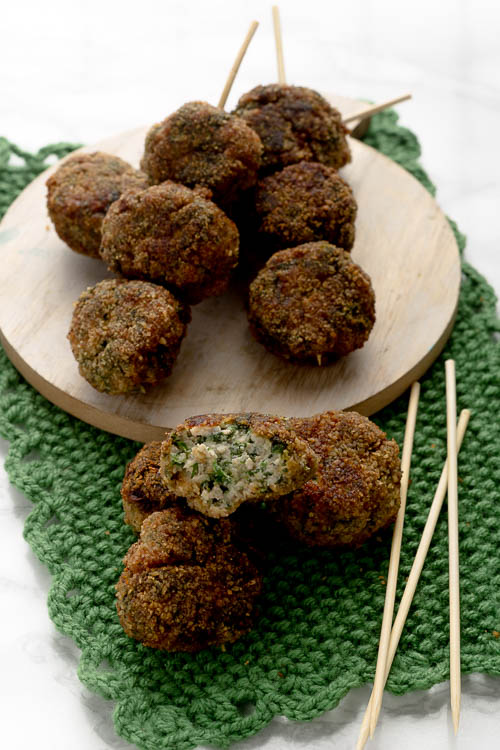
{"x": 237, "y": 63}
{"x": 392, "y": 577}
{"x": 279, "y": 45}
{"x": 364, "y": 113}
{"x": 374, "y": 108}
{"x": 455, "y": 671}
{"x": 416, "y": 570}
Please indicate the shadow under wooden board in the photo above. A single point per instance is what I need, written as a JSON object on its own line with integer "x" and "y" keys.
{"x": 403, "y": 241}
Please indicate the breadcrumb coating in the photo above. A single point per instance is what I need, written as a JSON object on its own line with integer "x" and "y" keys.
{"x": 311, "y": 304}
{"x": 304, "y": 202}
{"x": 142, "y": 490}
{"x": 126, "y": 335}
{"x": 173, "y": 236}
{"x": 357, "y": 488}
{"x": 188, "y": 583}
{"x": 203, "y": 145}
{"x": 294, "y": 124}
{"x": 81, "y": 191}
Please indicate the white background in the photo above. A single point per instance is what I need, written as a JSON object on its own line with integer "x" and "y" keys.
{"x": 81, "y": 71}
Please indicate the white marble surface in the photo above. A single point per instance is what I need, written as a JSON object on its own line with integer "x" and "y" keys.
{"x": 82, "y": 70}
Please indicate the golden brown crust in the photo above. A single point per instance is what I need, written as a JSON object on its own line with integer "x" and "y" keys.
{"x": 357, "y": 488}
{"x": 311, "y": 303}
{"x": 187, "y": 584}
{"x": 142, "y": 490}
{"x": 294, "y": 124}
{"x": 126, "y": 335}
{"x": 304, "y": 202}
{"x": 173, "y": 236}
{"x": 203, "y": 145}
{"x": 81, "y": 191}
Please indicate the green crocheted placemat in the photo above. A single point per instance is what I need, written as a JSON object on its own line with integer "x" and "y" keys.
{"x": 320, "y": 617}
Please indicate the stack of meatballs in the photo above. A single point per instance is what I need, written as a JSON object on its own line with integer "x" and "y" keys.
{"x": 254, "y": 193}
{"x": 194, "y": 577}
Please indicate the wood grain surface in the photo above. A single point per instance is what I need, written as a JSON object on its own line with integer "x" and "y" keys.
{"x": 403, "y": 241}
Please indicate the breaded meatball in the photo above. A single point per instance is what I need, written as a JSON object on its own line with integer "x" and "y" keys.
{"x": 219, "y": 461}
{"x": 126, "y": 335}
{"x": 294, "y": 124}
{"x": 203, "y": 145}
{"x": 173, "y": 236}
{"x": 188, "y": 583}
{"x": 311, "y": 304}
{"x": 143, "y": 491}
{"x": 81, "y": 191}
{"x": 357, "y": 488}
{"x": 302, "y": 203}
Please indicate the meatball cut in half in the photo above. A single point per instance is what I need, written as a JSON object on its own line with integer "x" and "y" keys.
{"x": 173, "y": 236}
{"x": 294, "y": 124}
{"x": 302, "y": 203}
{"x": 188, "y": 583}
{"x": 219, "y": 461}
{"x": 311, "y": 303}
{"x": 81, "y": 191}
{"x": 357, "y": 488}
{"x": 203, "y": 145}
{"x": 143, "y": 491}
{"x": 126, "y": 335}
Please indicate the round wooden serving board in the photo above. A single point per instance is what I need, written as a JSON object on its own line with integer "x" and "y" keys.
{"x": 403, "y": 241}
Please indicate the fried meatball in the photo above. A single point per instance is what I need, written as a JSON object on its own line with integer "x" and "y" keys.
{"x": 311, "y": 303}
{"x": 188, "y": 583}
{"x": 143, "y": 491}
{"x": 203, "y": 145}
{"x": 81, "y": 191}
{"x": 126, "y": 335}
{"x": 294, "y": 124}
{"x": 302, "y": 203}
{"x": 173, "y": 236}
{"x": 357, "y": 488}
{"x": 219, "y": 461}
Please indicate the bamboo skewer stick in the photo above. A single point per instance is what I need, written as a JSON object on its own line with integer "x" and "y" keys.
{"x": 416, "y": 569}
{"x": 279, "y": 45}
{"x": 367, "y": 112}
{"x": 237, "y": 63}
{"x": 374, "y": 108}
{"x": 455, "y": 671}
{"x": 392, "y": 577}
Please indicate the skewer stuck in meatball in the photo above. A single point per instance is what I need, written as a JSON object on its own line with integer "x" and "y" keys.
{"x": 311, "y": 304}
{"x": 294, "y": 124}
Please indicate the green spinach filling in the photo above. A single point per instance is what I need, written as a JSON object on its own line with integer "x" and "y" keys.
{"x": 229, "y": 461}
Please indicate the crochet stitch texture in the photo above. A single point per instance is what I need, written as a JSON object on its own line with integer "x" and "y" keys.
{"x": 317, "y": 634}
